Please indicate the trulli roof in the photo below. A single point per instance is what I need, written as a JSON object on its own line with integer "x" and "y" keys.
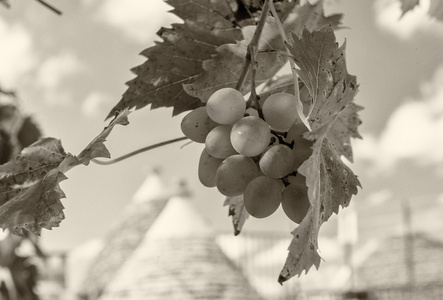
{"x": 392, "y": 266}
{"x": 127, "y": 233}
{"x": 179, "y": 259}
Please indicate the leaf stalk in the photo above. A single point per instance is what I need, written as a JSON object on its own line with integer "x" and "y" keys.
{"x": 281, "y": 29}
{"x": 141, "y": 150}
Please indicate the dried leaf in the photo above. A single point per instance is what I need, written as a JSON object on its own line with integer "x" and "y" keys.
{"x": 237, "y": 211}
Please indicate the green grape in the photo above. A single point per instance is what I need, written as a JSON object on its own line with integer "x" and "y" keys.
{"x": 277, "y": 161}
{"x": 226, "y": 106}
{"x": 250, "y": 136}
{"x": 280, "y": 111}
{"x": 262, "y": 196}
{"x": 295, "y": 202}
{"x": 207, "y": 168}
{"x": 234, "y": 174}
{"x": 218, "y": 143}
{"x": 302, "y": 147}
{"x": 251, "y": 112}
{"x": 196, "y": 125}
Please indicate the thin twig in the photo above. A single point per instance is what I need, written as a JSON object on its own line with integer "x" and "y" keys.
{"x": 50, "y": 7}
{"x": 144, "y": 149}
{"x": 253, "y": 98}
{"x": 253, "y": 43}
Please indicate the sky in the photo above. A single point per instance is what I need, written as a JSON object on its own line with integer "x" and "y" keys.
{"x": 70, "y": 70}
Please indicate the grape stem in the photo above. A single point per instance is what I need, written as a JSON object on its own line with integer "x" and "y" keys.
{"x": 251, "y": 63}
{"x": 293, "y": 68}
{"x": 281, "y": 140}
{"x": 141, "y": 150}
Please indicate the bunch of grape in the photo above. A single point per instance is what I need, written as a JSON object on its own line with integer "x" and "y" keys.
{"x": 252, "y": 155}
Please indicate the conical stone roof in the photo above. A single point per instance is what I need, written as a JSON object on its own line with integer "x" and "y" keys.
{"x": 179, "y": 259}
{"x": 127, "y": 233}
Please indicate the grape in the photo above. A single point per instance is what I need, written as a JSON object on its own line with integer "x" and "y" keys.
{"x": 218, "y": 143}
{"x": 197, "y": 124}
{"x": 277, "y": 161}
{"x": 302, "y": 148}
{"x": 250, "y": 136}
{"x": 207, "y": 168}
{"x": 295, "y": 202}
{"x": 251, "y": 112}
{"x": 280, "y": 111}
{"x": 226, "y": 106}
{"x": 262, "y": 196}
{"x": 234, "y": 174}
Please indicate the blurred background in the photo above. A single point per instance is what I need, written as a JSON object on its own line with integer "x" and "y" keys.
{"x": 69, "y": 71}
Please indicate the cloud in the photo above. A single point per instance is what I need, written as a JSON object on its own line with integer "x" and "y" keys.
{"x": 388, "y": 13}
{"x": 16, "y": 55}
{"x": 414, "y": 131}
{"x": 51, "y": 74}
{"x": 57, "y": 67}
{"x": 139, "y": 19}
{"x": 93, "y": 105}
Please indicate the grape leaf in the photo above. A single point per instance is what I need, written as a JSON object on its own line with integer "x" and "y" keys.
{"x": 345, "y": 128}
{"x": 225, "y": 69}
{"x": 278, "y": 84}
{"x": 407, "y": 5}
{"x": 29, "y": 184}
{"x": 334, "y": 120}
{"x": 97, "y": 148}
{"x": 312, "y": 17}
{"x": 237, "y": 211}
{"x": 178, "y": 59}
{"x": 29, "y": 167}
{"x": 36, "y": 207}
{"x": 302, "y": 249}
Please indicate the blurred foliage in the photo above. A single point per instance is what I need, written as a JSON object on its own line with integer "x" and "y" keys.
{"x": 19, "y": 274}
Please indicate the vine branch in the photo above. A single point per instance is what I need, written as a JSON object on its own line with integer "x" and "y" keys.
{"x": 144, "y": 149}
{"x": 251, "y": 54}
